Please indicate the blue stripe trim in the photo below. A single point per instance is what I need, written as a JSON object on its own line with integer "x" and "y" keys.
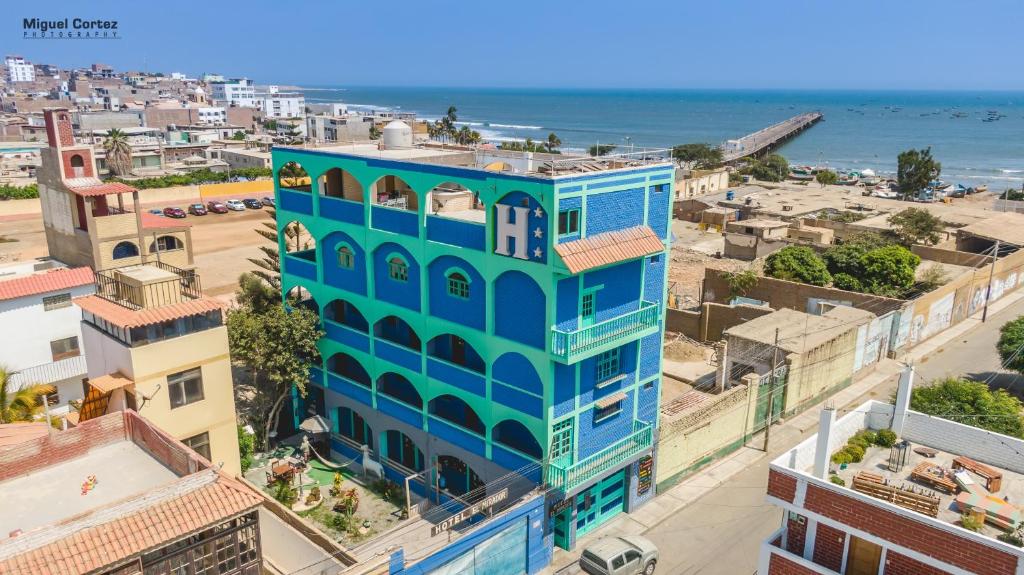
{"x": 599, "y": 185}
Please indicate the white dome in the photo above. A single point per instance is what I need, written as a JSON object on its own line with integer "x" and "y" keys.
{"x": 397, "y": 134}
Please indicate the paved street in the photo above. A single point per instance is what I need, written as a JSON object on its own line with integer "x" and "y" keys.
{"x": 721, "y": 531}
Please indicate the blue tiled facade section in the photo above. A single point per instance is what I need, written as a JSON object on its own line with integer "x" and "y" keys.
{"x": 394, "y": 220}
{"x": 456, "y": 233}
{"x": 565, "y": 389}
{"x": 298, "y": 202}
{"x": 512, "y": 397}
{"x": 341, "y": 210}
{"x": 316, "y": 376}
{"x": 637, "y": 499}
{"x": 456, "y": 436}
{"x": 404, "y": 293}
{"x": 594, "y": 437}
{"x": 347, "y": 336}
{"x": 512, "y": 461}
{"x": 519, "y": 312}
{"x": 515, "y": 370}
{"x": 571, "y": 204}
{"x": 647, "y": 404}
{"x": 610, "y": 211}
{"x": 300, "y": 267}
{"x": 471, "y": 311}
{"x": 352, "y": 280}
{"x": 348, "y": 388}
{"x": 397, "y": 354}
{"x": 567, "y": 309}
{"x": 399, "y": 411}
{"x": 520, "y": 199}
{"x": 538, "y": 545}
{"x": 620, "y": 293}
{"x": 650, "y": 352}
{"x": 657, "y": 209}
{"x": 454, "y": 375}
{"x": 589, "y": 392}
{"x": 654, "y": 278}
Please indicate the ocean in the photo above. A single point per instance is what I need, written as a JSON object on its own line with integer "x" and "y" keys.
{"x": 861, "y": 129}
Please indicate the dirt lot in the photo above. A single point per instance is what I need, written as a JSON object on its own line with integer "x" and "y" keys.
{"x": 692, "y": 252}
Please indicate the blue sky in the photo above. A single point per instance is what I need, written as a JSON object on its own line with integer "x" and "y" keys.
{"x": 786, "y": 44}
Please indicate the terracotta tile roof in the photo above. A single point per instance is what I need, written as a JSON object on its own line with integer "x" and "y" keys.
{"x": 111, "y": 381}
{"x": 128, "y": 318}
{"x": 94, "y": 187}
{"x": 15, "y": 433}
{"x": 52, "y": 280}
{"x": 609, "y": 248}
{"x": 153, "y": 221}
{"x": 90, "y": 542}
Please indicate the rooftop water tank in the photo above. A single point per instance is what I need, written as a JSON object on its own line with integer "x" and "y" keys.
{"x": 397, "y": 134}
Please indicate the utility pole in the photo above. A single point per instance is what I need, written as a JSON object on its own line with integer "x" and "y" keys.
{"x": 771, "y": 391}
{"x": 988, "y": 290}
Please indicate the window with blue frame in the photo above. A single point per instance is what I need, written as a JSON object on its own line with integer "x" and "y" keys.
{"x": 458, "y": 286}
{"x": 561, "y": 439}
{"x": 346, "y": 259}
{"x": 398, "y": 270}
{"x": 569, "y": 222}
{"x": 608, "y": 365}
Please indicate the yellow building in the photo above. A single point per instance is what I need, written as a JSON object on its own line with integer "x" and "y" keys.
{"x": 156, "y": 345}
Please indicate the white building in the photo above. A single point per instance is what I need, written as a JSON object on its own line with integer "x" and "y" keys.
{"x": 18, "y": 70}
{"x": 238, "y": 92}
{"x": 41, "y": 334}
{"x": 339, "y": 128}
{"x": 276, "y": 104}
{"x": 213, "y": 116}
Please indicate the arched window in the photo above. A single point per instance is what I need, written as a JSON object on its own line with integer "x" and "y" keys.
{"x": 398, "y": 270}
{"x": 454, "y": 410}
{"x": 458, "y": 285}
{"x": 77, "y": 161}
{"x": 166, "y": 243}
{"x": 353, "y": 426}
{"x": 397, "y": 387}
{"x": 292, "y": 176}
{"x": 346, "y": 258}
{"x": 402, "y": 450}
{"x": 514, "y": 434}
{"x": 125, "y": 250}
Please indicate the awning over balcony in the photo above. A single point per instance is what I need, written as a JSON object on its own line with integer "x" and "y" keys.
{"x": 609, "y": 248}
{"x": 111, "y": 381}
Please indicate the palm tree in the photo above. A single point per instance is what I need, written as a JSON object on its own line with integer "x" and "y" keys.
{"x": 553, "y": 142}
{"x": 270, "y": 263}
{"x": 20, "y": 404}
{"x": 119, "y": 152}
{"x": 448, "y": 123}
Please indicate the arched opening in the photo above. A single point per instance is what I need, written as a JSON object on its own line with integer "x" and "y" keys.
{"x": 515, "y": 435}
{"x": 519, "y": 309}
{"x": 292, "y": 176}
{"x": 455, "y": 476}
{"x": 298, "y": 241}
{"x": 77, "y": 161}
{"x": 397, "y": 387}
{"x": 515, "y": 370}
{"x": 453, "y": 349}
{"x": 125, "y": 249}
{"x": 344, "y": 365}
{"x": 338, "y": 183}
{"x": 395, "y": 330}
{"x": 343, "y": 312}
{"x": 401, "y": 450}
{"x": 393, "y": 192}
{"x": 458, "y": 412}
{"x": 299, "y": 296}
{"x": 452, "y": 200}
{"x": 352, "y": 426}
{"x": 166, "y": 244}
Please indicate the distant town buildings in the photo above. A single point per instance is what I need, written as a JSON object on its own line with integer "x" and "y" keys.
{"x": 235, "y": 92}
{"x": 18, "y": 70}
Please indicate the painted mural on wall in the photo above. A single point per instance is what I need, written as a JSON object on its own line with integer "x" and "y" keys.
{"x": 520, "y": 228}
{"x": 940, "y": 316}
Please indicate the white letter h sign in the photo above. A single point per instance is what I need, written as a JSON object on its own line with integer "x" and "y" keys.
{"x": 507, "y": 230}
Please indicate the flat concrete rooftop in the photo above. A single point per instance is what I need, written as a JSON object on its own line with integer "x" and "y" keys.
{"x": 55, "y": 493}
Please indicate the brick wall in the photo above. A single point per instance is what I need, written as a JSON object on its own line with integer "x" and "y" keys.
{"x": 796, "y": 534}
{"x": 781, "y": 566}
{"x": 87, "y": 163}
{"x": 896, "y": 564}
{"x": 781, "y": 485}
{"x": 781, "y": 293}
{"x": 945, "y": 546}
{"x": 828, "y": 547}
{"x": 42, "y": 452}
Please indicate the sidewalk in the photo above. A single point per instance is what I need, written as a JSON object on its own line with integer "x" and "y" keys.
{"x": 784, "y": 435}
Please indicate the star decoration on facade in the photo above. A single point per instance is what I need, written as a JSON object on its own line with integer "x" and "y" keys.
{"x": 537, "y": 253}
{"x": 538, "y": 233}
{"x": 537, "y": 212}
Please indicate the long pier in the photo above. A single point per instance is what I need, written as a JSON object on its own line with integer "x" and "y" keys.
{"x": 765, "y": 140}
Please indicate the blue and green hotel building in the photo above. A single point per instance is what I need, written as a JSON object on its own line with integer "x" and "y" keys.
{"x": 486, "y": 313}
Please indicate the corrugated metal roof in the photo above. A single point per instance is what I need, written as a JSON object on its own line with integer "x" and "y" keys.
{"x": 608, "y": 248}
{"x": 128, "y": 318}
{"x": 49, "y": 281}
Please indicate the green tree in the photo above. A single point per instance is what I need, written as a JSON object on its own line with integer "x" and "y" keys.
{"x": 888, "y": 271}
{"x": 246, "y": 447}
{"x": 22, "y": 403}
{"x": 269, "y": 265}
{"x": 799, "y": 264}
{"x": 238, "y": 135}
{"x": 826, "y": 177}
{"x": 256, "y": 293}
{"x": 119, "y": 152}
{"x": 915, "y": 171}
{"x": 698, "y": 156}
{"x": 552, "y": 143}
{"x": 270, "y": 125}
{"x": 773, "y": 168}
{"x": 916, "y": 226}
{"x": 971, "y": 403}
{"x": 1011, "y": 344}
{"x": 845, "y": 258}
{"x": 601, "y": 149}
{"x": 375, "y": 133}
{"x": 277, "y": 348}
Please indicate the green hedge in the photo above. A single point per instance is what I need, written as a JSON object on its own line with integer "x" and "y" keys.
{"x": 9, "y": 192}
{"x": 198, "y": 177}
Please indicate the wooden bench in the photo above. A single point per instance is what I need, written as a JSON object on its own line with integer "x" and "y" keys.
{"x": 993, "y": 478}
{"x": 924, "y": 504}
{"x": 871, "y": 477}
{"x": 934, "y": 476}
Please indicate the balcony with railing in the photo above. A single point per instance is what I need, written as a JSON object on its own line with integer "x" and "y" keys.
{"x": 149, "y": 285}
{"x": 570, "y": 476}
{"x": 572, "y": 346}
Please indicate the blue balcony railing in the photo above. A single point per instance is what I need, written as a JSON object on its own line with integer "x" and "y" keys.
{"x": 570, "y": 476}
{"x": 347, "y": 336}
{"x": 397, "y": 354}
{"x": 456, "y": 375}
{"x": 341, "y": 210}
{"x": 571, "y": 346}
{"x": 395, "y": 220}
{"x": 302, "y": 264}
{"x": 296, "y": 201}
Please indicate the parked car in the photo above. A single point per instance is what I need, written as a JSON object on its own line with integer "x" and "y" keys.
{"x": 173, "y": 212}
{"x": 626, "y": 555}
{"x": 216, "y": 207}
{"x": 156, "y": 212}
{"x": 268, "y": 201}
{"x": 253, "y": 203}
{"x": 235, "y": 205}
{"x": 197, "y": 209}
